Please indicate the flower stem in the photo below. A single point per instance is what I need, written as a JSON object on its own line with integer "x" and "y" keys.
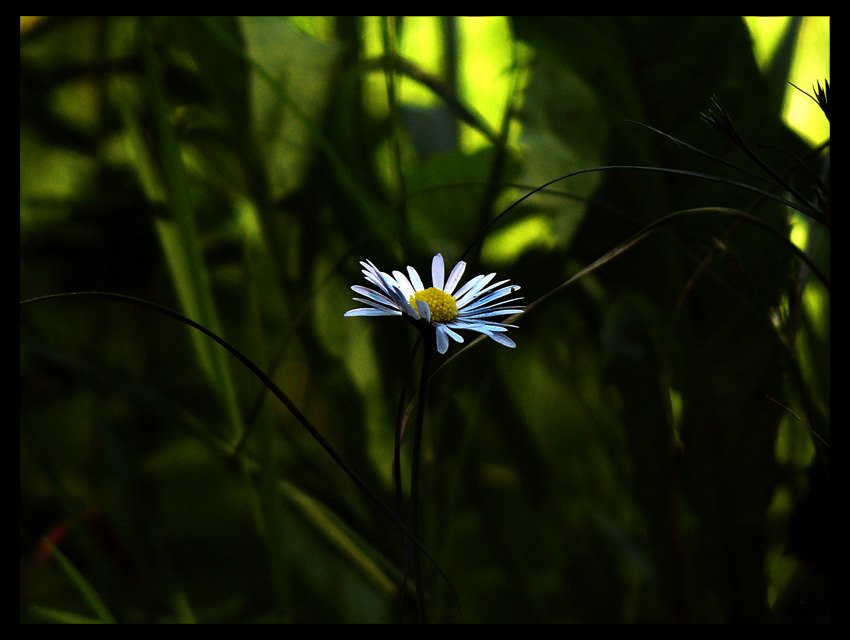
{"x": 427, "y": 356}
{"x": 399, "y": 489}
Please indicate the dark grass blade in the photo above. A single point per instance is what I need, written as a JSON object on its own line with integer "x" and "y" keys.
{"x": 637, "y": 238}
{"x": 278, "y": 393}
{"x": 720, "y": 120}
{"x": 803, "y": 208}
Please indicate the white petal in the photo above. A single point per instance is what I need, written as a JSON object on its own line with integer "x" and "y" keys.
{"x": 370, "y": 270}
{"x": 454, "y": 277}
{"x": 415, "y": 280}
{"x": 488, "y": 314}
{"x": 371, "y": 312}
{"x": 481, "y": 290}
{"x": 375, "y": 279}
{"x": 468, "y": 286}
{"x": 502, "y": 339}
{"x": 409, "y": 310}
{"x": 391, "y": 287}
{"x": 424, "y": 310}
{"x": 481, "y": 327}
{"x": 497, "y": 335}
{"x": 438, "y": 272}
{"x": 442, "y": 339}
{"x": 495, "y": 295}
{"x": 452, "y": 334}
{"x": 484, "y": 312}
{"x": 373, "y": 295}
{"x": 403, "y": 283}
{"x": 390, "y": 293}
{"x": 398, "y": 297}
{"x": 383, "y": 281}
{"x": 376, "y": 305}
{"x": 474, "y": 291}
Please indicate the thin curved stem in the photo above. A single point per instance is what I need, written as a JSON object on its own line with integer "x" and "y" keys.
{"x": 278, "y": 393}
{"x": 427, "y": 357}
{"x": 803, "y": 207}
{"x": 399, "y": 489}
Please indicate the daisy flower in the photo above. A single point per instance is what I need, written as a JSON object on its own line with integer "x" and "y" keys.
{"x": 445, "y": 307}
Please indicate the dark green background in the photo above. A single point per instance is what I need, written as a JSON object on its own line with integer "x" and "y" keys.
{"x": 629, "y": 461}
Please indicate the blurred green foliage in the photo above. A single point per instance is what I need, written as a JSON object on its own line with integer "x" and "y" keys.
{"x": 654, "y": 450}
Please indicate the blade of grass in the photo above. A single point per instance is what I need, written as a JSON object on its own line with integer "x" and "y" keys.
{"x": 49, "y": 614}
{"x": 340, "y": 170}
{"x": 278, "y": 393}
{"x": 698, "y": 151}
{"x": 389, "y": 33}
{"x": 802, "y": 208}
{"x": 407, "y": 68}
{"x": 371, "y": 564}
{"x": 85, "y": 589}
{"x": 276, "y": 360}
{"x": 719, "y": 119}
{"x": 633, "y": 241}
{"x": 376, "y": 568}
{"x": 181, "y": 241}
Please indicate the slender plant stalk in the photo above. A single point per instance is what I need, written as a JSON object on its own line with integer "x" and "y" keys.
{"x": 427, "y": 357}
{"x": 85, "y": 589}
{"x": 276, "y": 391}
{"x": 399, "y": 489}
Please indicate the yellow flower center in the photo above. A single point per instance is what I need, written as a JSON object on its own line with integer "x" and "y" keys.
{"x": 443, "y": 307}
